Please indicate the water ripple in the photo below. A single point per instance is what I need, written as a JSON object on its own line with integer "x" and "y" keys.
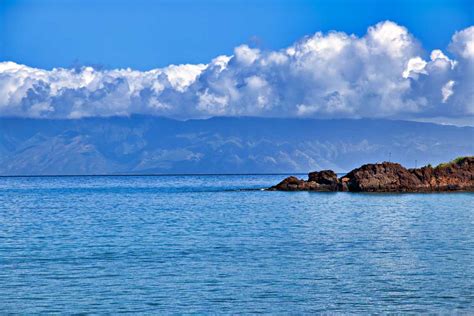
{"x": 214, "y": 244}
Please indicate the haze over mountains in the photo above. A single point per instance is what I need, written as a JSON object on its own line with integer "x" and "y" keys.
{"x": 147, "y": 144}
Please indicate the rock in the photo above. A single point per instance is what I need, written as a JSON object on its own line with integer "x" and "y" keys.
{"x": 323, "y": 181}
{"x": 342, "y": 186}
{"x": 327, "y": 180}
{"x": 289, "y": 184}
{"x": 454, "y": 176}
{"x": 457, "y": 175}
{"x": 384, "y": 177}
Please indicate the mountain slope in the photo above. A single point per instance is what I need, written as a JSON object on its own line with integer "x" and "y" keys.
{"x": 146, "y": 144}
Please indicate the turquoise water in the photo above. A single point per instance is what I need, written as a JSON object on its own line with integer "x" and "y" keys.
{"x": 199, "y": 244}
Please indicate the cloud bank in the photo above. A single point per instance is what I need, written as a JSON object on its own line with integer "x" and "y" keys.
{"x": 386, "y": 73}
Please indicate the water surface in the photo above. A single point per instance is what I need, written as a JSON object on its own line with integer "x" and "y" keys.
{"x": 200, "y": 244}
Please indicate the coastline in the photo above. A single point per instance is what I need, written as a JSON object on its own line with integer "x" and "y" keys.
{"x": 454, "y": 176}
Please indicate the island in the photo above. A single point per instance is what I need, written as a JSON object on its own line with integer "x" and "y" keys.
{"x": 457, "y": 175}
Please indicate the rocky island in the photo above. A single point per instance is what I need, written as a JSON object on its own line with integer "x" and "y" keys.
{"x": 457, "y": 175}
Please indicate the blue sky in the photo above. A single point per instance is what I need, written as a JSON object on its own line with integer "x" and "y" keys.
{"x": 148, "y": 34}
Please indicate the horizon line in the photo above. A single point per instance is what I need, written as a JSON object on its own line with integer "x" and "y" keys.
{"x": 153, "y": 175}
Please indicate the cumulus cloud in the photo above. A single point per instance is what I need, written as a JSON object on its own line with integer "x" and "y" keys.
{"x": 385, "y": 73}
{"x": 463, "y": 43}
{"x": 447, "y": 90}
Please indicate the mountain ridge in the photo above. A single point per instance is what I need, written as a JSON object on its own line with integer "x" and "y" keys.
{"x": 141, "y": 144}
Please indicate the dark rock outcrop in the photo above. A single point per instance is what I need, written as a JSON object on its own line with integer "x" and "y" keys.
{"x": 295, "y": 184}
{"x": 384, "y": 177}
{"x": 457, "y": 175}
{"x": 325, "y": 179}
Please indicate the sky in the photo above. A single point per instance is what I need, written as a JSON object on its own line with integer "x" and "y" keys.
{"x": 148, "y": 34}
{"x": 186, "y": 59}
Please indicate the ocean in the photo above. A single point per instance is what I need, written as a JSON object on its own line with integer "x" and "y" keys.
{"x": 219, "y": 244}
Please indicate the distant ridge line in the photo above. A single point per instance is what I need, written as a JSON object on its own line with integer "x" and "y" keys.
{"x": 148, "y": 146}
{"x": 151, "y": 175}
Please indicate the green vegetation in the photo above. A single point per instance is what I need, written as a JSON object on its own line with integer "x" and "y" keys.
{"x": 454, "y": 161}
{"x": 457, "y": 160}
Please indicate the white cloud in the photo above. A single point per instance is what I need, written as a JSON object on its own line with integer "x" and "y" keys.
{"x": 415, "y": 66}
{"x": 246, "y": 55}
{"x": 180, "y": 77}
{"x": 382, "y": 74}
{"x": 390, "y": 38}
{"x": 463, "y": 43}
{"x": 447, "y": 90}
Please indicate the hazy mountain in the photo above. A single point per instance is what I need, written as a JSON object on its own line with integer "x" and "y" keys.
{"x": 145, "y": 144}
